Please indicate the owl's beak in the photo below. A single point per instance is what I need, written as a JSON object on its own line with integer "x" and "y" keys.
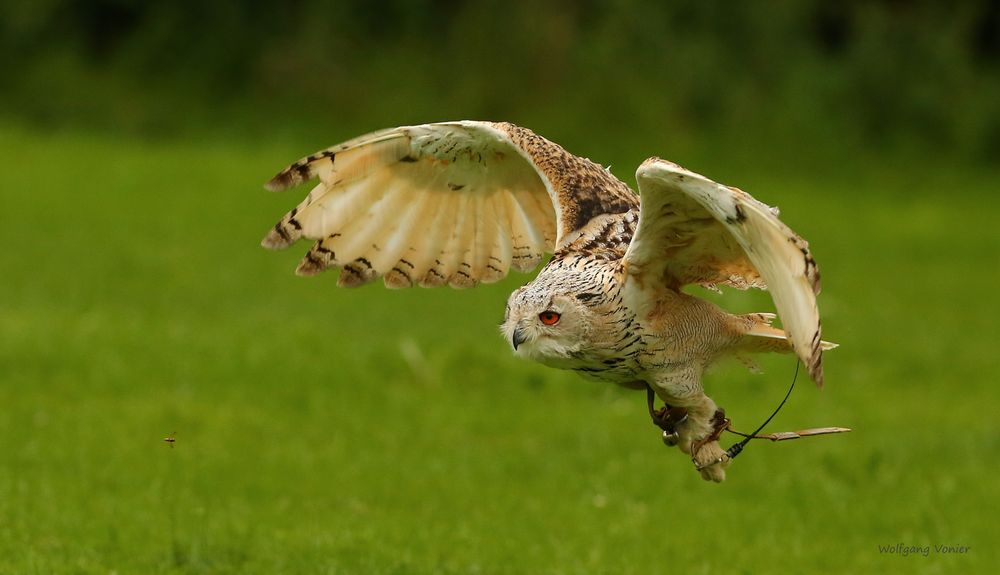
{"x": 519, "y": 337}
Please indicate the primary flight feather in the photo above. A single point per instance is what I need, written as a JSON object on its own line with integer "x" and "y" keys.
{"x": 460, "y": 203}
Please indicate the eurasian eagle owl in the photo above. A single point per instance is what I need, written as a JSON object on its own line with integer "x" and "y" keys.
{"x": 460, "y": 203}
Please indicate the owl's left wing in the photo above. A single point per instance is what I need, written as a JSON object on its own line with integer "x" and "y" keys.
{"x": 695, "y": 231}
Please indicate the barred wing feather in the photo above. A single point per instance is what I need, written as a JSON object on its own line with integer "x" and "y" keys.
{"x": 419, "y": 205}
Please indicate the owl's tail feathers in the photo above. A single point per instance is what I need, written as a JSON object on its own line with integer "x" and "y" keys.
{"x": 760, "y": 336}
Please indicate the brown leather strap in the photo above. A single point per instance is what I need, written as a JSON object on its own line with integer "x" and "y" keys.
{"x": 666, "y": 418}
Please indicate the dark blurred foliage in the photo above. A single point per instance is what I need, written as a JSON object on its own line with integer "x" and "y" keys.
{"x": 849, "y": 73}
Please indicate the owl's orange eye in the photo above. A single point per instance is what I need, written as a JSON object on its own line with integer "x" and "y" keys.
{"x": 549, "y": 317}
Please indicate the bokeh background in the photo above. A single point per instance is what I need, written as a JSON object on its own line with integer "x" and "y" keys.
{"x": 366, "y": 431}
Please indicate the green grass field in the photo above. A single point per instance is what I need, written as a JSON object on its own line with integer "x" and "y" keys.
{"x": 365, "y": 431}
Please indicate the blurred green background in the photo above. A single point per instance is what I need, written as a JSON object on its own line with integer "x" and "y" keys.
{"x": 366, "y": 431}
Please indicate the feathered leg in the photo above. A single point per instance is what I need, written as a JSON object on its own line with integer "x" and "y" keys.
{"x": 698, "y": 435}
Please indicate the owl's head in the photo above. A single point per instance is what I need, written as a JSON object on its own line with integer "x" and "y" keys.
{"x": 546, "y": 325}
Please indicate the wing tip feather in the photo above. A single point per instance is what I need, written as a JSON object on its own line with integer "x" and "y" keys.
{"x": 817, "y": 376}
{"x": 357, "y": 273}
{"x": 524, "y": 263}
{"x": 433, "y": 278}
{"x": 815, "y": 362}
{"x": 301, "y": 171}
{"x": 492, "y": 275}
{"x": 397, "y": 279}
{"x": 462, "y": 280}
{"x": 287, "y": 178}
{"x": 309, "y": 266}
{"x": 276, "y": 240}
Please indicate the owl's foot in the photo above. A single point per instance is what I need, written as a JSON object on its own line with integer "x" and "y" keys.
{"x": 707, "y": 455}
{"x": 711, "y": 461}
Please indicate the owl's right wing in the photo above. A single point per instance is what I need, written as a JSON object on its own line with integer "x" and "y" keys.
{"x": 455, "y": 203}
{"x": 695, "y": 231}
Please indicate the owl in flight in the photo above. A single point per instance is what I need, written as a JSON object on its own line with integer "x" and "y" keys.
{"x": 460, "y": 203}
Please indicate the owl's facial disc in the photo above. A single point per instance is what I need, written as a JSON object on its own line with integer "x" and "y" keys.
{"x": 542, "y": 327}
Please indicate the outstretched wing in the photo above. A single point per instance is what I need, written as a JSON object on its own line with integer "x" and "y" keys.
{"x": 455, "y": 203}
{"x": 695, "y": 231}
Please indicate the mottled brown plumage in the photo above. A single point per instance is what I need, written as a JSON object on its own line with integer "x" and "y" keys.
{"x": 460, "y": 203}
